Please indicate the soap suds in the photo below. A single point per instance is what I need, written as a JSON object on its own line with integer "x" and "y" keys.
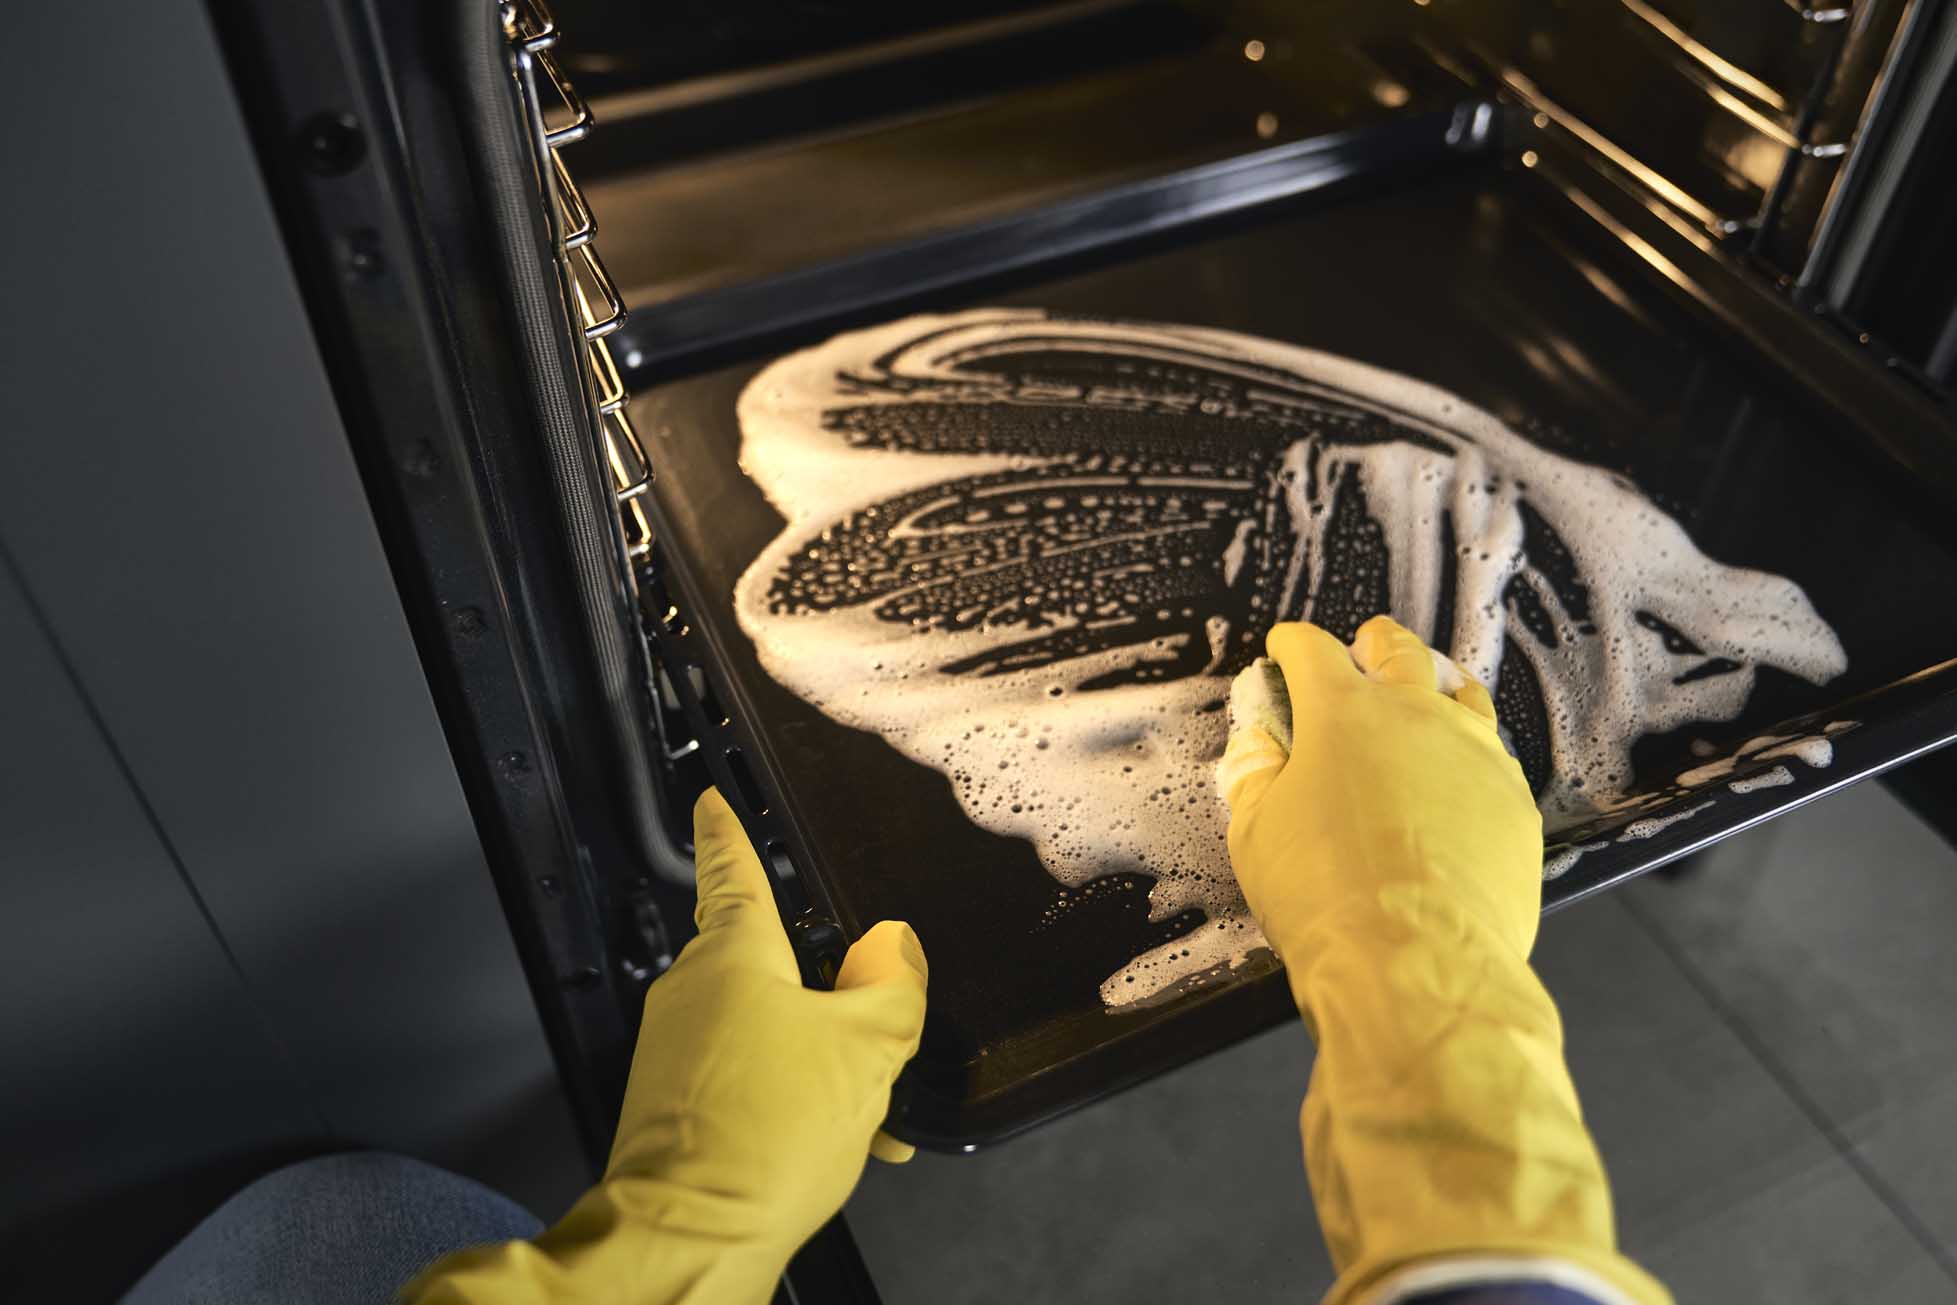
{"x": 1818, "y": 753}
{"x": 1556, "y": 864}
{"x": 1814, "y": 750}
{"x": 1650, "y": 825}
{"x": 1774, "y": 778}
{"x": 1707, "y": 773}
{"x": 1031, "y": 552}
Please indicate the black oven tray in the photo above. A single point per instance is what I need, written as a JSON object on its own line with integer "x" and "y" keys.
{"x": 1546, "y": 293}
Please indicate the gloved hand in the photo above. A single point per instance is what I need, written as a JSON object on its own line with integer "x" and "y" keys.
{"x": 752, "y": 1105}
{"x": 1394, "y": 860}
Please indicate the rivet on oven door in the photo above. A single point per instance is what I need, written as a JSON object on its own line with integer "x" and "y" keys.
{"x": 331, "y": 143}
{"x": 515, "y": 767}
{"x": 361, "y": 253}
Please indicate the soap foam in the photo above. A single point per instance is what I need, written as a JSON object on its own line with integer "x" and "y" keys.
{"x": 1814, "y": 750}
{"x": 1031, "y": 552}
{"x": 1558, "y": 863}
{"x": 1653, "y": 825}
{"x": 1706, "y": 774}
{"x": 1818, "y": 753}
{"x": 1778, "y": 777}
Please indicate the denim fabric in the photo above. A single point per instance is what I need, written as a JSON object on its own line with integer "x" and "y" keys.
{"x": 338, "y": 1230}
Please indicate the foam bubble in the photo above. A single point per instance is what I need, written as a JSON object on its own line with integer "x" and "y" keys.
{"x": 1816, "y": 752}
{"x": 1774, "y": 778}
{"x": 1652, "y": 825}
{"x": 1030, "y": 553}
{"x": 1707, "y": 773}
{"x": 1558, "y": 863}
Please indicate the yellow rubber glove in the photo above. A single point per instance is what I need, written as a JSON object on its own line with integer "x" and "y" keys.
{"x": 1394, "y": 860}
{"x": 752, "y": 1105}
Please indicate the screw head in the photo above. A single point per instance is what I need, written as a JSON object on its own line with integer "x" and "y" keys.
{"x": 331, "y": 143}
{"x": 361, "y": 253}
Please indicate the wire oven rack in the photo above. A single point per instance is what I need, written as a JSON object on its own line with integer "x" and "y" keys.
{"x": 686, "y": 716}
{"x": 559, "y": 118}
{"x": 532, "y": 31}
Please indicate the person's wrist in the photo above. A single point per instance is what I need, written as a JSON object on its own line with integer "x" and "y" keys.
{"x": 1302, "y": 912}
{"x": 1340, "y": 955}
{"x": 676, "y": 1170}
{"x": 679, "y": 1245}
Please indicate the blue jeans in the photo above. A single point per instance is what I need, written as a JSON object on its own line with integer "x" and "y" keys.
{"x": 339, "y": 1230}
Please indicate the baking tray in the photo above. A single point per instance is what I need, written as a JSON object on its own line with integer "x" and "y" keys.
{"x": 1552, "y": 296}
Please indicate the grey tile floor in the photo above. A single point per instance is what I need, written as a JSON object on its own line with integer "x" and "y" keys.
{"x": 1765, "y": 1048}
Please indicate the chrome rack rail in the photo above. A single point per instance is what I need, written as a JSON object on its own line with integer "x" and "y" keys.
{"x": 532, "y": 32}
{"x": 558, "y": 118}
{"x": 691, "y": 727}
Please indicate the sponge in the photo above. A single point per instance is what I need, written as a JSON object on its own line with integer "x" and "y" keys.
{"x": 1259, "y": 700}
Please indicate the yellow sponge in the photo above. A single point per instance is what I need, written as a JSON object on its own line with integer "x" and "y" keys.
{"x": 1259, "y": 700}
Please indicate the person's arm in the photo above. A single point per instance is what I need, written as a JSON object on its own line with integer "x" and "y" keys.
{"x": 752, "y": 1105}
{"x": 1394, "y": 860}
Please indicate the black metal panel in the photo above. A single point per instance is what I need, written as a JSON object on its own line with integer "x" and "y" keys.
{"x": 1835, "y": 114}
{"x": 684, "y": 334}
{"x": 1716, "y": 137}
{"x": 388, "y": 241}
{"x": 1874, "y": 264}
{"x": 638, "y": 45}
{"x": 1891, "y": 414}
{"x": 654, "y": 121}
{"x": 995, "y": 142}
